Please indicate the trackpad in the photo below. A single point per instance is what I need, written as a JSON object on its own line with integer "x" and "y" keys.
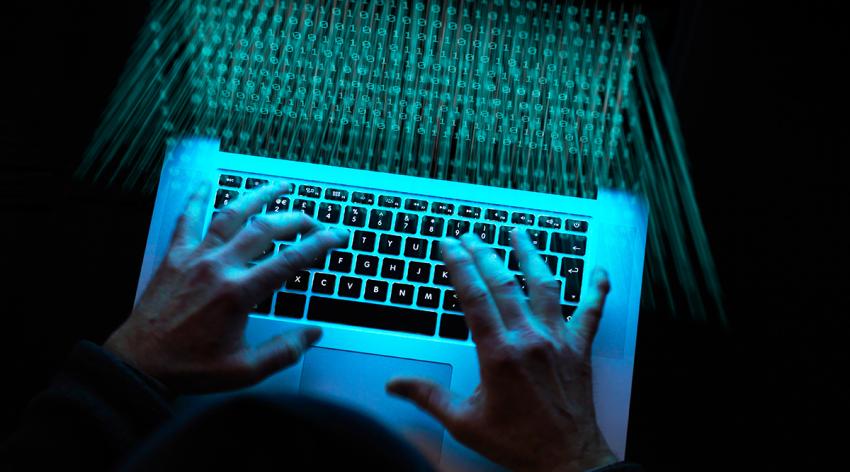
{"x": 357, "y": 380}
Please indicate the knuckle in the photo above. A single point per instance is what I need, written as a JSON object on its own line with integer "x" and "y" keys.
{"x": 293, "y": 259}
{"x": 549, "y": 286}
{"x": 538, "y": 347}
{"x": 230, "y": 290}
{"x": 506, "y": 358}
{"x": 263, "y": 224}
{"x": 475, "y": 295}
{"x": 506, "y": 283}
{"x": 207, "y": 268}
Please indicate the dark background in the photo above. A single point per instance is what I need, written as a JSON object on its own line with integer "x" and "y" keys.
{"x": 759, "y": 97}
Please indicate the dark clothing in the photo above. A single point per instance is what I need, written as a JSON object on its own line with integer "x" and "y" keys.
{"x": 101, "y": 414}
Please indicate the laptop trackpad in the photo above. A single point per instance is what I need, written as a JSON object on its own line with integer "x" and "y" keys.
{"x": 357, "y": 380}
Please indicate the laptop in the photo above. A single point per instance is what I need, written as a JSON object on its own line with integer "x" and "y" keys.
{"x": 385, "y": 303}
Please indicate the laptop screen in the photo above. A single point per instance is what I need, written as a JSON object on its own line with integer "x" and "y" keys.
{"x": 515, "y": 94}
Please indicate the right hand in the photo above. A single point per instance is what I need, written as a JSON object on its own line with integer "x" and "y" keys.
{"x": 533, "y": 409}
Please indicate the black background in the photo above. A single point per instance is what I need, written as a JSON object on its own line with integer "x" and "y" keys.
{"x": 759, "y": 95}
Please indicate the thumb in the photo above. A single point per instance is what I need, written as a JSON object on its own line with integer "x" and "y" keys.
{"x": 282, "y": 351}
{"x": 427, "y": 395}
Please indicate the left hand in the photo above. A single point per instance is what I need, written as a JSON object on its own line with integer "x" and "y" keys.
{"x": 187, "y": 331}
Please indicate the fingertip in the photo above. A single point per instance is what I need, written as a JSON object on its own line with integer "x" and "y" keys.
{"x": 398, "y": 386}
{"x": 600, "y": 279}
{"x": 312, "y": 335}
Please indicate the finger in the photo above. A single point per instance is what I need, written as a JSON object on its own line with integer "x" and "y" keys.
{"x": 232, "y": 217}
{"x": 585, "y": 322}
{"x": 261, "y": 230}
{"x": 281, "y": 351}
{"x": 270, "y": 274}
{"x": 427, "y": 395}
{"x": 501, "y": 283}
{"x": 479, "y": 309}
{"x": 190, "y": 224}
{"x": 544, "y": 289}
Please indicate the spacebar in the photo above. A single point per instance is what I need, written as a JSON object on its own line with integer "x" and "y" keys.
{"x": 370, "y": 315}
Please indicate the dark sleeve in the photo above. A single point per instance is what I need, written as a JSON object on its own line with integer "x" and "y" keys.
{"x": 94, "y": 411}
{"x": 619, "y": 467}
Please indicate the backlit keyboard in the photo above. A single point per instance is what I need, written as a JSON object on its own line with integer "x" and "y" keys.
{"x": 390, "y": 275}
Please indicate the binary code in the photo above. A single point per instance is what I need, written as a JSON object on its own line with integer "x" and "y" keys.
{"x": 514, "y": 94}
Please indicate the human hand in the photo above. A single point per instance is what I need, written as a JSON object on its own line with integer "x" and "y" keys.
{"x": 533, "y": 410}
{"x": 187, "y": 330}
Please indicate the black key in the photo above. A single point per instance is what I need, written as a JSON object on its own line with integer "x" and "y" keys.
{"x": 415, "y": 247}
{"x": 318, "y": 262}
{"x": 485, "y": 231}
{"x": 451, "y": 301}
{"x": 505, "y": 235}
{"x": 263, "y": 307}
{"x": 513, "y": 262}
{"x": 290, "y": 305}
{"x": 429, "y": 297}
{"x": 363, "y": 241}
{"x": 390, "y": 244}
{"x": 371, "y": 315}
{"x": 457, "y": 228}
{"x": 441, "y": 275}
{"x": 230, "y": 181}
{"x": 406, "y": 223}
{"x": 392, "y": 268}
{"x": 279, "y": 204}
{"x": 311, "y": 191}
{"x": 523, "y": 283}
{"x": 413, "y": 204}
{"x": 551, "y": 261}
{"x": 469, "y": 212}
{"x": 568, "y": 244}
{"x": 329, "y": 213}
{"x": 308, "y": 207}
{"x": 380, "y": 219}
{"x": 223, "y": 197}
{"x": 500, "y": 252}
{"x": 442, "y": 208}
{"x": 496, "y": 215}
{"x": 453, "y": 327}
{"x": 366, "y": 265}
{"x": 436, "y": 252}
{"x": 350, "y": 287}
{"x": 376, "y": 290}
{"x": 389, "y": 201}
{"x": 432, "y": 226}
{"x": 253, "y": 183}
{"x": 538, "y": 238}
{"x": 299, "y": 281}
{"x": 354, "y": 216}
{"x": 323, "y": 283}
{"x": 336, "y": 195}
{"x": 567, "y": 312}
{"x": 340, "y": 261}
{"x": 572, "y": 270}
{"x": 418, "y": 272}
{"x": 549, "y": 222}
{"x": 402, "y": 294}
{"x": 576, "y": 225}
{"x": 522, "y": 218}
{"x": 363, "y": 198}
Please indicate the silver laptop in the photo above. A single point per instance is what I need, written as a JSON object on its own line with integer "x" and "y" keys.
{"x": 385, "y": 303}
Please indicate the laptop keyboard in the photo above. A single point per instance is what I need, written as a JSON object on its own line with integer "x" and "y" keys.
{"x": 390, "y": 276}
